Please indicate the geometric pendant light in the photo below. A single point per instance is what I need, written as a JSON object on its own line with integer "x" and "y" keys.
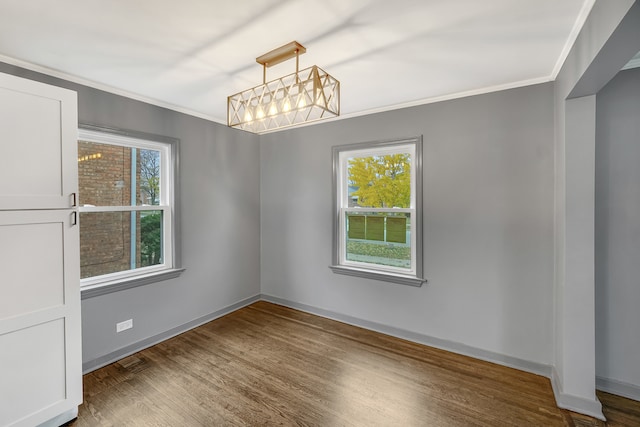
{"x": 304, "y": 96}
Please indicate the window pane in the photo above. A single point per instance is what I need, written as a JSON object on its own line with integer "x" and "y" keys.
{"x": 148, "y": 177}
{"x": 107, "y": 246}
{"x": 112, "y": 175}
{"x": 379, "y": 238}
{"x": 150, "y": 250}
{"x": 380, "y": 181}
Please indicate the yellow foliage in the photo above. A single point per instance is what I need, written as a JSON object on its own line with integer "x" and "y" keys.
{"x": 381, "y": 181}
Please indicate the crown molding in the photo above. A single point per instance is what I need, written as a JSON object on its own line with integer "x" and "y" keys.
{"x": 106, "y": 88}
{"x": 121, "y": 92}
{"x": 573, "y": 35}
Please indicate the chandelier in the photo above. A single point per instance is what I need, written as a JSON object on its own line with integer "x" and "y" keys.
{"x": 302, "y": 97}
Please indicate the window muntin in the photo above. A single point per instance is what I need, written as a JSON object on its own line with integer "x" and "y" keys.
{"x": 125, "y": 204}
{"x": 377, "y": 202}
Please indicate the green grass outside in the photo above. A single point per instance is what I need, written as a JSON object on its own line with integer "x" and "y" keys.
{"x": 384, "y": 251}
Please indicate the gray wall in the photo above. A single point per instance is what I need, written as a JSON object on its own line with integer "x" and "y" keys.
{"x": 488, "y": 222}
{"x": 220, "y": 222}
{"x": 488, "y": 183}
{"x": 605, "y": 43}
{"x": 618, "y": 229}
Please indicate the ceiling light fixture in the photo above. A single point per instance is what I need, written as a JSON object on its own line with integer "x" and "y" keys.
{"x": 301, "y": 97}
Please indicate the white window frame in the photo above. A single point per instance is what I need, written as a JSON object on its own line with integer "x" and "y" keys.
{"x": 170, "y": 266}
{"x": 341, "y": 265}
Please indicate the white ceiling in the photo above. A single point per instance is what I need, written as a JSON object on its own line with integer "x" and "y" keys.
{"x": 189, "y": 55}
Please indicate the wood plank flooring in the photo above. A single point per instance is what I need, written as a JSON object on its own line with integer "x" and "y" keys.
{"x": 619, "y": 411}
{"x": 270, "y": 365}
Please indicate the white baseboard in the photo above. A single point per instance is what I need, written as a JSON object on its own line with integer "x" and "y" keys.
{"x": 114, "y": 356}
{"x": 452, "y": 346}
{"x": 593, "y": 408}
{"x": 619, "y": 388}
{"x": 61, "y": 419}
{"x": 566, "y": 401}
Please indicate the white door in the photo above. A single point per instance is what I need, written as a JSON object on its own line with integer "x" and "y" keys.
{"x": 40, "y": 340}
{"x": 38, "y": 145}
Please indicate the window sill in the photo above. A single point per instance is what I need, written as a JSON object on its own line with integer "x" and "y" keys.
{"x": 128, "y": 283}
{"x": 378, "y": 275}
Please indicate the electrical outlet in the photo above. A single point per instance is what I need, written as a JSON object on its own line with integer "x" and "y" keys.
{"x": 123, "y": 326}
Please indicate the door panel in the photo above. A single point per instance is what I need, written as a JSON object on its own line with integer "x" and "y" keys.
{"x": 38, "y": 137}
{"x": 40, "y": 339}
{"x": 27, "y": 356}
{"x": 28, "y": 288}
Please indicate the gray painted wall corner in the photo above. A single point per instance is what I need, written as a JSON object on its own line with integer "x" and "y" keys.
{"x": 219, "y": 186}
{"x": 443, "y": 344}
{"x": 114, "y": 356}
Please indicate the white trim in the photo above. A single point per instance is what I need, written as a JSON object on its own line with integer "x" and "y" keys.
{"x": 223, "y": 121}
{"x": 103, "y": 288}
{"x": 564, "y": 401}
{"x": 573, "y": 36}
{"x": 381, "y": 151}
{"x": 369, "y": 273}
{"x": 593, "y": 408}
{"x": 342, "y": 200}
{"x": 424, "y": 101}
{"x": 362, "y": 209}
{"x": 452, "y": 346}
{"x": 118, "y": 277}
{"x": 107, "y": 88}
{"x": 619, "y": 388}
{"x": 61, "y": 419}
{"x": 166, "y": 198}
{"x": 138, "y": 208}
{"x": 633, "y": 63}
{"x": 100, "y": 137}
{"x": 382, "y": 268}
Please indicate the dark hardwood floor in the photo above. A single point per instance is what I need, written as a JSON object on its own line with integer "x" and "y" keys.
{"x": 620, "y": 412}
{"x": 270, "y": 365}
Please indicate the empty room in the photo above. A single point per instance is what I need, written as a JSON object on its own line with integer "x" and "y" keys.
{"x": 287, "y": 212}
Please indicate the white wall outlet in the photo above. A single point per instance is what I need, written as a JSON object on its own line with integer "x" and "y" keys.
{"x": 123, "y": 326}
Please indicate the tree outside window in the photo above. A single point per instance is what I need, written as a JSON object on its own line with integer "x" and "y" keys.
{"x": 378, "y": 210}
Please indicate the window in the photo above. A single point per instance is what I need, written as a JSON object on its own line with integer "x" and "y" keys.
{"x": 378, "y": 210}
{"x": 126, "y": 206}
